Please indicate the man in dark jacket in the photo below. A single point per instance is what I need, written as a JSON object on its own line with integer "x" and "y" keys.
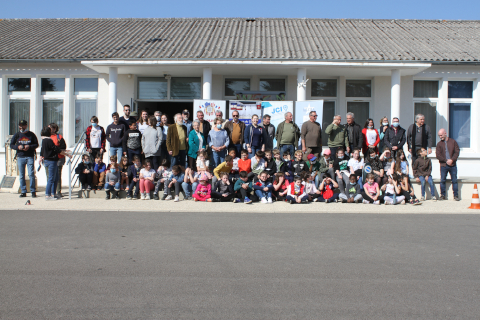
{"x": 205, "y": 126}
{"x": 447, "y": 154}
{"x": 235, "y": 129}
{"x": 354, "y": 131}
{"x": 270, "y": 132}
{"x": 114, "y": 133}
{"x": 419, "y": 136}
{"x": 395, "y": 137}
{"x": 25, "y": 142}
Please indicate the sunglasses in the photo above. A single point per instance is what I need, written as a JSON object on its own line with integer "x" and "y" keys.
{"x": 235, "y": 116}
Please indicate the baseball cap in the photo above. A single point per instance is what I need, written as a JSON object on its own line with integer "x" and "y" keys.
{"x": 23, "y": 123}
{"x": 185, "y": 111}
{"x": 311, "y": 157}
{"x": 327, "y": 152}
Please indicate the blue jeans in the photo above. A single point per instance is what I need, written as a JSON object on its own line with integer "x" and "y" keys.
{"x": 187, "y": 188}
{"x": 116, "y": 151}
{"x": 254, "y": 150}
{"x": 287, "y": 147}
{"x": 30, "y": 163}
{"x": 238, "y": 148}
{"x": 109, "y": 187}
{"x": 430, "y": 182}
{"x": 218, "y": 157}
{"x": 133, "y": 152}
{"x": 263, "y": 194}
{"x": 52, "y": 177}
{"x": 180, "y": 158}
{"x": 443, "y": 178}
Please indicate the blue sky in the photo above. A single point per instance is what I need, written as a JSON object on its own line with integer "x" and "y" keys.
{"x": 369, "y": 9}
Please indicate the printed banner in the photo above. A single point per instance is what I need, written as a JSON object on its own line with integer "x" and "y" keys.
{"x": 246, "y": 110}
{"x": 260, "y": 95}
{"x": 276, "y": 110}
{"x": 303, "y": 108}
{"x": 209, "y": 107}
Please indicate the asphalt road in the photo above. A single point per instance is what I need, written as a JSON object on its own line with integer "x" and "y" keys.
{"x": 121, "y": 265}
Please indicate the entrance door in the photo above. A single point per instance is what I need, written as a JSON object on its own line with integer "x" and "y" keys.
{"x": 169, "y": 108}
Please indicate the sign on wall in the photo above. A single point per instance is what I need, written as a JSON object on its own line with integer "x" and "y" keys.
{"x": 246, "y": 110}
{"x": 209, "y": 107}
{"x": 276, "y": 110}
{"x": 303, "y": 108}
{"x": 260, "y": 95}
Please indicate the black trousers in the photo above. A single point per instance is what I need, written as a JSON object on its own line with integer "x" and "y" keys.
{"x": 242, "y": 194}
{"x": 216, "y": 195}
{"x": 366, "y": 197}
{"x": 137, "y": 187}
{"x": 86, "y": 178}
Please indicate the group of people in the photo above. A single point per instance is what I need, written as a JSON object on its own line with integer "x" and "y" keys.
{"x": 232, "y": 161}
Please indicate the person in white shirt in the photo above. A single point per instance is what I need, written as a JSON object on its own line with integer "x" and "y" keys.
{"x": 147, "y": 175}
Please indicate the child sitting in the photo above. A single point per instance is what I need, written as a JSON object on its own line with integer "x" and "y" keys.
{"x": 407, "y": 191}
{"x": 288, "y": 168}
{"x": 85, "y": 172}
{"x": 123, "y": 166}
{"x": 147, "y": 175}
{"x": 310, "y": 187}
{"x": 263, "y": 188}
{"x": 298, "y": 165}
{"x": 356, "y": 165}
{"x": 112, "y": 159}
{"x": 340, "y": 167}
{"x": 258, "y": 164}
{"x": 243, "y": 188}
{"x": 422, "y": 171}
{"x": 163, "y": 174}
{"x": 387, "y": 159}
{"x": 352, "y": 191}
{"x": 280, "y": 185}
{"x": 270, "y": 165}
{"x": 175, "y": 181}
{"x": 244, "y": 163}
{"x": 202, "y": 163}
{"x": 296, "y": 192}
{"x": 392, "y": 191}
{"x": 134, "y": 178}
{"x": 235, "y": 170}
{"x": 371, "y": 191}
{"x": 326, "y": 167}
{"x": 99, "y": 173}
{"x": 326, "y": 188}
{"x": 112, "y": 182}
{"x": 225, "y": 166}
{"x": 223, "y": 189}
{"x": 203, "y": 191}
{"x": 313, "y": 165}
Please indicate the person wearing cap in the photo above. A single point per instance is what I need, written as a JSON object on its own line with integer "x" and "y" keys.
{"x": 311, "y": 135}
{"x": 25, "y": 142}
{"x": 325, "y": 167}
{"x": 186, "y": 122}
{"x": 313, "y": 165}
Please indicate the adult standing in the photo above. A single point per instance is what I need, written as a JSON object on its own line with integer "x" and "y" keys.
{"x": 337, "y": 135}
{"x": 395, "y": 137}
{"x": 254, "y": 137}
{"x": 235, "y": 129}
{"x": 143, "y": 121}
{"x": 186, "y": 122}
{"x": 125, "y": 120}
{"x": 95, "y": 139}
{"x": 152, "y": 138}
{"x": 287, "y": 135}
{"x": 311, "y": 134}
{"x": 196, "y": 142}
{"x": 269, "y": 131}
{"x": 218, "y": 140}
{"x": 115, "y": 132}
{"x": 447, "y": 154}
{"x": 419, "y": 136}
{"x": 158, "y": 116}
{"x": 371, "y": 137}
{"x": 205, "y": 126}
{"x": 384, "y": 125}
{"x": 25, "y": 142}
{"x": 60, "y": 143}
{"x": 164, "y": 151}
{"x": 177, "y": 141}
{"x": 355, "y": 136}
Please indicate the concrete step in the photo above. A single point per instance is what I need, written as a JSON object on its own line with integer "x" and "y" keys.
{"x": 100, "y": 194}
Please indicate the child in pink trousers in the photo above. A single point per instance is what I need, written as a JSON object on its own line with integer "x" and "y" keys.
{"x": 203, "y": 191}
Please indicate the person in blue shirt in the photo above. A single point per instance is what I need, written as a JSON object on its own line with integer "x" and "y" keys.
{"x": 218, "y": 140}
{"x": 255, "y": 137}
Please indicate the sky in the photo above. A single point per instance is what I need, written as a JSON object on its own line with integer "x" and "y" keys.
{"x": 332, "y": 9}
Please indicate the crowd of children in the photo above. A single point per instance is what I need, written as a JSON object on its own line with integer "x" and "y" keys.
{"x": 267, "y": 177}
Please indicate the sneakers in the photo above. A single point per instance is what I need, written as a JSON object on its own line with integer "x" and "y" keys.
{"x": 422, "y": 199}
{"x": 22, "y": 195}
{"x": 84, "y": 187}
{"x": 291, "y": 201}
{"x": 366, "y": 202}
{"x": 147, "y": 196}
{"x": 434, "y": 198}
{"x": 155, "y": 196}
{"x": 387, "y": 203}
{"x": 345, "y": 201}
{"x": 376, "y": 202}
{"x": 416, "y": 202}
{"x": 358, "y": 201}
{"x": 443, "y": 198}
{"x": 269, "y": 200}
{"x": 315, "y": 200}
{"x": 142, "y": 196}
{"x": 50, "y": 198}
{"x": 264, "y": 200}
{"x": 188, "y": 198}
{"x": 456, "y": 198}
{"x": 403, "y": 202}
{"x": 129, "y": 197}
{"x": 236, "y": 200}
{"x": 176, "y": 199}
{"x": 89, "y": 187}
{"x": 135, "y": 196}
{"x": 169, "y": 197}
{"x": 247, "y": 201}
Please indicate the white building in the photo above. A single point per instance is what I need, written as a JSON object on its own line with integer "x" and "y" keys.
{"x": 67, "y": 70}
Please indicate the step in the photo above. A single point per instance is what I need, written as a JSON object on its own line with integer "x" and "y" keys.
{"x": 100, "y": 194}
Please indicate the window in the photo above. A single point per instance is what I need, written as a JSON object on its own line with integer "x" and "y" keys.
{"x": 53, "y": 85}
{"x": 324, "y": 88}
{"x": 429, "y": 110}
{"x": 361, "y": 110}
{"x": 185, "y": 88}
{"x": 85, "y": 85}
{"x": 425, "y": 89}
{"x": 19, "y": 84}
{"x": 272, "y": 84}
{"x": 85, "y": 109}
{"x": 460, "y": 89}
{"x": 53, "y": 113}
{"x": 328, "y": 114}
{"x": 232, "y": 85}
{"x": 19, "y": 110}
{"x": 459, "y": 123}
{"x": 359, "y": 88}
{"x": 152, "y": 88}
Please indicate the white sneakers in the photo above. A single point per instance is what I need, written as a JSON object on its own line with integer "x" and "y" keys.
{"x": 366, "y": 202}
{"x": 264, "y": 200}
{"x": 147, "y": 196}
{"x": 142, "y": 196}
{"x": 176, "y": 198}
{"x": 169, "y": 197}
{"x": 269, "y": 200}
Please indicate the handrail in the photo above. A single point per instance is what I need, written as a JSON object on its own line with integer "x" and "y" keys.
{"x": 76, "y": 156}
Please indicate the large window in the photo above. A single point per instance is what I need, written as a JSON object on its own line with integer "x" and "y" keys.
{"x": 232, "y": 85}
{"x": 19, "y": 110}
{"x": 85, "y": 103}
{"x": 272, "y": 84}
{"x": 460, "y": 95}
{"x": 328, "y": 114}
{"x": 360, "y": 109}
{"x": 425, "y": 89}
{"x": 53, "y": 85}
{"x": 53, "y": 113}
{"x": 359, "y": 88}
{"x": 152, "y": 88}
{"x": 460, "y": 89}
{"x": 185, "y": 88}
{"x": 324, "y": 88}
{"x": 85, "y": 85}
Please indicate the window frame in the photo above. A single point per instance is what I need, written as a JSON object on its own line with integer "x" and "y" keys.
{"x": 169, "y": 88}
{"x": 360, "y": 99}
{"x": 324, "y": 97}
{"x": 82, "y": 95}
{"x": 462, "y": 100}
{"x": 272, "y": 78}
{"x": 225, "y": 78}
{"x": 428, "y": 100}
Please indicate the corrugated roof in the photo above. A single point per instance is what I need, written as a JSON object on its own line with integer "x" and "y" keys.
{"x": 240, "y": 38}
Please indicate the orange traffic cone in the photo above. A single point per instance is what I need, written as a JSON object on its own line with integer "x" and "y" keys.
{"x": 475, "y": 199}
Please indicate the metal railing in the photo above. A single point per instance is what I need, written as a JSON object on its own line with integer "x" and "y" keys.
{"x": 77, "y": 153}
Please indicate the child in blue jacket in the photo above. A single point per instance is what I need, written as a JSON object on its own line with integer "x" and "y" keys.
{"x": 263, "y": 188}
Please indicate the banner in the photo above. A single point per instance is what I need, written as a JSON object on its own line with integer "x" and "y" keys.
{"x": 260, "y": 95}
{"x": 246, "y": 110}
{"x": 276, "y": 110}
{"x": 303, "y": 108}
{"x": 209, "y": 107}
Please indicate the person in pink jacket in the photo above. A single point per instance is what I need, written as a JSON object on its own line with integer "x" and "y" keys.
{"x": 371, "y": 138}
{"x": 203, "y": 191}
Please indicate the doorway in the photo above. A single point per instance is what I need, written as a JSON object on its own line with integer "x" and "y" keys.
{"x": 168, "y": 107}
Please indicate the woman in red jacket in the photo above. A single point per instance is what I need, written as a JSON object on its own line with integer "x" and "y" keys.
{"x": 371, "y": 138}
